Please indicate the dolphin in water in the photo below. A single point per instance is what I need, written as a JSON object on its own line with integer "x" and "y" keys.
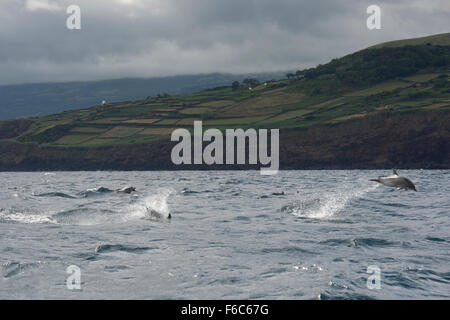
{"x": 396, "y": 181}
{"x": 127, "y": 190}
{"x": 156, "y": 215}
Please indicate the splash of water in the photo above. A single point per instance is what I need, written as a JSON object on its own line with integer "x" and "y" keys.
{"x": 327, "y": 205}
{"x": 152, "y": 206}
{"x": 94, "y": 192}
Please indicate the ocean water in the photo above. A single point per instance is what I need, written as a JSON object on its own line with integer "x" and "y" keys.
{"x": 229, "y": 237}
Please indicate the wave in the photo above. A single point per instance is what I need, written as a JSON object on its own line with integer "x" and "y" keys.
{"x": 103, "y": 248}
{"x": 187, "y": 191}
{"x": 10, "y": 269}
{"x": 357, "y": 242}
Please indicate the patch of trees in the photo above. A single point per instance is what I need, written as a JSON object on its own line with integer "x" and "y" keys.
{"x": 290, "y": 75}
{"x": 49, "y": 135}
{"x": 251, "y": 83}
{"x": 441, "y": 83}
{"x": 217, "y": 88}
{"x": 299, "y": 74}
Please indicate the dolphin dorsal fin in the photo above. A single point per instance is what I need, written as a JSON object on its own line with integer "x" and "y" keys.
{"x": 395, "y": 172}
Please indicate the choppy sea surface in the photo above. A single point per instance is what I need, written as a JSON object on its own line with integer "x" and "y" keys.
{"x": 229, "y": 236}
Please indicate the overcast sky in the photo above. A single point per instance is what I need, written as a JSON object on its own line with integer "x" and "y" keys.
{"x": 147, "y": 38}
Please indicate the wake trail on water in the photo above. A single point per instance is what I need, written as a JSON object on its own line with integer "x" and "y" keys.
{"x": 114, "y": 208}
{"x": 83, "y": 194}
{"x": 326, "y": 205}
{"x": 55, "y": 194}
{"x": 94, "y": 192}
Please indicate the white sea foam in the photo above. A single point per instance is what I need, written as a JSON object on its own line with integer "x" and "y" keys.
{"x": 25, "y": 218}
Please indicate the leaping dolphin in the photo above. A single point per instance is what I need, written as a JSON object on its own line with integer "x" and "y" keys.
{"x": 396, "y": 181}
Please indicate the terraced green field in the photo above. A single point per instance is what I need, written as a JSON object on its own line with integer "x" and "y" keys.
{"x": 391, "y": 79}
{"x": 271, "y": 106}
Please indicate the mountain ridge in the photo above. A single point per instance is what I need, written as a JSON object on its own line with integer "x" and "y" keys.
{"x": 34, "y": 99}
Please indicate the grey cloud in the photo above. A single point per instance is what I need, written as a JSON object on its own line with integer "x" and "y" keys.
{"x": 125, "y": 38}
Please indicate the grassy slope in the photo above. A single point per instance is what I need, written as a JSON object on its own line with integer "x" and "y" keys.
{"x": 441, "y": 39}
{"x": 329, "y": 94}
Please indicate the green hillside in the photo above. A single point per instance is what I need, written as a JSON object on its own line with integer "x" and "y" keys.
{"x": 441, "y": 39}
{"x": 376, "y": 81}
